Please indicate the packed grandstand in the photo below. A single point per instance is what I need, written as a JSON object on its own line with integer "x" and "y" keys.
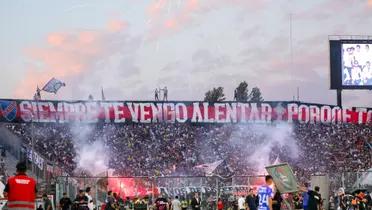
{"x": 171, "y": 149}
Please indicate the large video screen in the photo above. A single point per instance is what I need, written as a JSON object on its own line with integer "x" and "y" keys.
{"x": 350, "y": 64}
{"x": 356, "y": 64}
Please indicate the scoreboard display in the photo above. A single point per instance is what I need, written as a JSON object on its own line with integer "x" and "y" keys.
{"x": 350, "y": 62}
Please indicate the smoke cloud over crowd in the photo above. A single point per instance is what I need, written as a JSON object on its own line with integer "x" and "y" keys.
{"x": 268, "y": 139}
{"x": 92, "y": 156}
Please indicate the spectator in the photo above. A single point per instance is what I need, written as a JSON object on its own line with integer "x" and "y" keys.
{"x": 161, "y": 149}
{"x": 298, "y": 202}
{"x": 251, "y": 200}
{"x": 220, "y": 204}
{"x": 128, "y": 204}
{"x": 176, "y": 204}
{"x": 47, "y": 202}
{"x": 110, "y": 201}
{"x": 305, "y": 196}
{"x": 196, "y": 202}
{"x": 161, "y": 203}
{"x": 241, "y": 203}
{"x": 40, "y": 207}
{"x": 315, "y": 199}
{"x": 184, "y": 204}
{"x": 81, "y": 201}
{"x": 156, "y": 95}
{"x": 65, "y": 202}
{"x": 165, "y": 92}
{"x": 90, "y": 200}
{"x": 277, "y": 200}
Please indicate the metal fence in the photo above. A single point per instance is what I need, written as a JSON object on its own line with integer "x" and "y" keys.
{"x": 350, "y": 181}
{"x": 209, "y": 187}
{"x": 149, "y": 188}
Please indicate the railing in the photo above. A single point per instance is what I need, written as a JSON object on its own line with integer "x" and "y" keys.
{"x": 350, "y": 181}
{"x": 209, "y": 187}
{"x": 149, "y": 188}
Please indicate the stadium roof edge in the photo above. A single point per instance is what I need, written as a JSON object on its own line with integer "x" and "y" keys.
{"x": 349, "y": 37}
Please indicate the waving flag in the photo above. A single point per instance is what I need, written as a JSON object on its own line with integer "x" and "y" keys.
{"x": 53, "y": 86}
{"x": 208, "y": 168}
{"x": 283, "y": 177}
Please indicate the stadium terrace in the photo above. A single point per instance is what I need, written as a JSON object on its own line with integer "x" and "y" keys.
{"x": 180, "y": 112}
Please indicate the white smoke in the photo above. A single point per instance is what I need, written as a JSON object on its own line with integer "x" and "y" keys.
{"x": 268, "y": 139}
{"x": 92, "y": 155}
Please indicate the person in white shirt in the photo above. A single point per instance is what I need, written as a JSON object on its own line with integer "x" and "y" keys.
{"x": 241, "y": 203}
{"x": 368, "y": 53}
{"x": 356, "y": 73}
{"x": 90, "y": 200}
{"x": 358, "y": 55}
{"x": 176, "y": 204}
{"x": 367, "y": 74}
{"x": 348, "y": 60}
{"x": 364, "y": 74}
{"x": 365, "y": 56}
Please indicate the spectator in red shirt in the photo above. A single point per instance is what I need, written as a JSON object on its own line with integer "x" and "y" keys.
{"x": 219, "y": 204}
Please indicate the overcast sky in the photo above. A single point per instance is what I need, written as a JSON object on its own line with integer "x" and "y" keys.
{"x": 130, "y": 47}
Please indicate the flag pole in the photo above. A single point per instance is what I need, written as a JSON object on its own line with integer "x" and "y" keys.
{"x": 32, "y": 147}
{"x": 217, "y": 191}
{"x": 103, "y": 98}
{"x": 33, "y": 168}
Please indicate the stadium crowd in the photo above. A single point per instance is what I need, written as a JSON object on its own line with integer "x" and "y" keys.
{"x": 171, "y": 149}
{"x": 3, "y": 171}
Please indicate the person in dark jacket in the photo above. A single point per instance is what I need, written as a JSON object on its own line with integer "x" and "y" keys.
{"x": 277, "y": 200}
{"x": 315, "y": 199}
{"x": 110, "y": 201}
{"x": 196, "y": 202}
{"x": 297, "y": 201}
{"x": 81, "y": 201}
{"x": 369, "y": 200}
{"x": 47, "y": 202}
{"x": 251, "y": 200}
{"x": 65, "y": 202}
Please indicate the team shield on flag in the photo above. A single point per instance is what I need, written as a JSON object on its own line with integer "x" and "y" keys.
{"x": 8, "y": 109}
{"x": 283, "y": 177}
{"x": 53, "y": 86}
